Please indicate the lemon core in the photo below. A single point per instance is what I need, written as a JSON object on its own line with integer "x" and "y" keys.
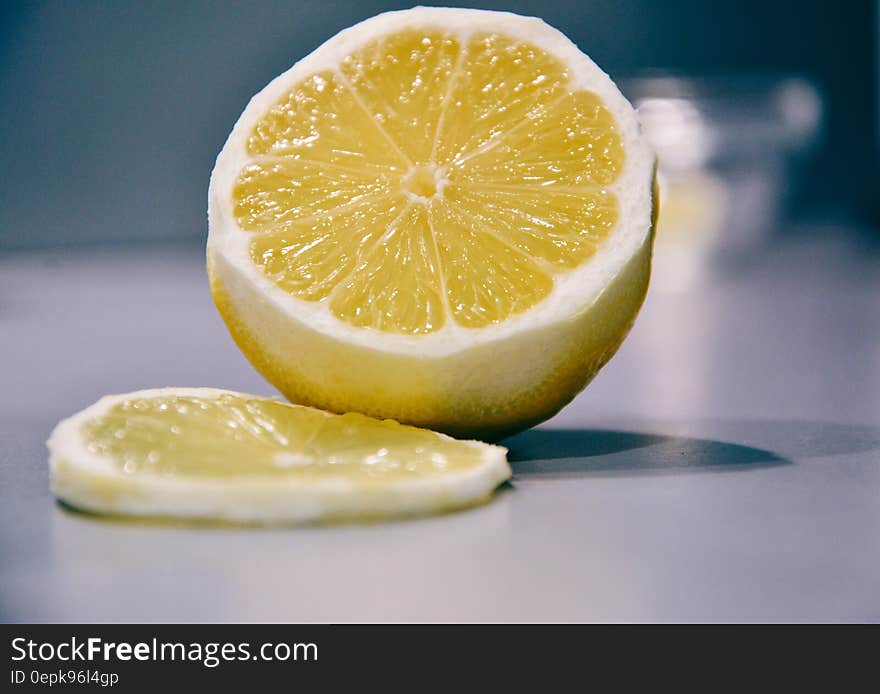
{"x": 424, "y": 182}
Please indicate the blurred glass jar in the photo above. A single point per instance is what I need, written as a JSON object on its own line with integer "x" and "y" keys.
{"x": 728, "y": 150}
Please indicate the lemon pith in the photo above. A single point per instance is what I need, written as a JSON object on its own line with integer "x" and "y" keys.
{"x": 204, "y": 453}
{"x": 461, "y": 245}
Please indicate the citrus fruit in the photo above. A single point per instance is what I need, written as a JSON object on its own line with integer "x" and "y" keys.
{"x": 440, "y": 216}
{"x": 199, "y": 453}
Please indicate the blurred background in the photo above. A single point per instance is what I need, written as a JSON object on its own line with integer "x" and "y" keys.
{"x": 113, "y": 113}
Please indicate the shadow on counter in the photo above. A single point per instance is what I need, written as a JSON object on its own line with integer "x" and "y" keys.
{"x": 575, "y": 453}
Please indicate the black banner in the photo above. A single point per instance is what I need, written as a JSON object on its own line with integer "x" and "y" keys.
{"x": 136, "y": 657}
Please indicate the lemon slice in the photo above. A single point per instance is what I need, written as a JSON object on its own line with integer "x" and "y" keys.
{"x": 442, "y": 216}
{"x": 201, "y": 453}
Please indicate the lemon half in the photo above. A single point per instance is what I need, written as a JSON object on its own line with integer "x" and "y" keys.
{"x": 440, "y": 216}
{"x": 200, "y": 453}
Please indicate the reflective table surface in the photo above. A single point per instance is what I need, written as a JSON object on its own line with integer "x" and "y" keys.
{"x": 725, "y": 466}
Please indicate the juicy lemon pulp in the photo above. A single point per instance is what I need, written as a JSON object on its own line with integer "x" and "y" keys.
{"x": 234, "y": 435}
{"x": 430, "y": 181}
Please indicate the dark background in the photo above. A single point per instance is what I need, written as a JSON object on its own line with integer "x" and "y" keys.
{"x": 112, "y": 112}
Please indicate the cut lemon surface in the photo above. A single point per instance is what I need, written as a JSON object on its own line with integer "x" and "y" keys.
{"x": 441, "y": 216}
{"x": 199, "y": 453}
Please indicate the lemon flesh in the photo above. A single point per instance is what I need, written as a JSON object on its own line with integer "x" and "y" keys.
{"x": 223, "y": 455}
{"x": 429, "y": 180}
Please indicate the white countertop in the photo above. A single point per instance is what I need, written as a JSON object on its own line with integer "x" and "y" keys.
{"x": 724, "y": 466}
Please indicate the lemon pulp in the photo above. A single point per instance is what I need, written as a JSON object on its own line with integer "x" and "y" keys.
{"x": 430, "y": 181}
{"x": 236, "y": 435}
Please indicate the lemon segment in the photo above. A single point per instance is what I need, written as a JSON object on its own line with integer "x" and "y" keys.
{"x": 202, "y": 453}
